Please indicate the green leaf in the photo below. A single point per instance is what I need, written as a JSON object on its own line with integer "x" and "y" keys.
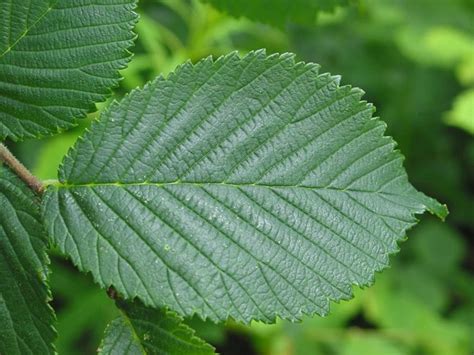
{"x": 431, "y": 239}
{"x": 390, "y": 305}
{"x": 439, "y": 46}
{"x": 57, "y": 58}
{"x": 120, "y": 339}
{"x": 462, "y": 113}
{"x": 26, "y": 318}
{"x": 282, "y": 11}
{"x": 244, "y": 188}
{"x": 142, "y": 330}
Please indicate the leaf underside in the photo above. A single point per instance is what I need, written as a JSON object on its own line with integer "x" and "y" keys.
{"x": 25, "y": 317}
{"x": 142, "y": 330}
{"x": 57, "y": 58}
{"x": 247, "y": 188}
{"x": 282, "y": 11}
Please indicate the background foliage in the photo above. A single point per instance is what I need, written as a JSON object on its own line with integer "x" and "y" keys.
{"x": 415, "y": 60}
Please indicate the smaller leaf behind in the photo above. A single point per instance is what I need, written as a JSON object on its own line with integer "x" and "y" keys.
{"x": 142, "y": 330}
{"x": 58, "y": 58}
{"x": 26, "y": 319}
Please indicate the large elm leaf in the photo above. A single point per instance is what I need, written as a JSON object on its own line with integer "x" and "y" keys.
{"x": 26, "y": 319}
{"x": 247, "y": 188}
{"x": 142, "y": 330}
{"x": 277, "y": 12}
{"x": 57, "y": 58}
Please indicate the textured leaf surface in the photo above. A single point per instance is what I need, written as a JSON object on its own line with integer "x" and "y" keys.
{"x": 142, "y": 330}
{"x": 248, "y": 188}
{"x": 57, "y": 58}
{"x": 119, "y": 338}
{"x": 282, "y": 11}
{"x": 25, "y": 317}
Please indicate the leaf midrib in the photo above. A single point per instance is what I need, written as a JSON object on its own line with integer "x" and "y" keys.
{"x": 66, "y": 185}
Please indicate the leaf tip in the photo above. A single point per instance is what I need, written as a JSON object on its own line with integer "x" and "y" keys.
{"x": 436, "y": 208}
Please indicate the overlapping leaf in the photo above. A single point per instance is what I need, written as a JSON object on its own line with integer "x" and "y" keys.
{"x": 277, "y": 12}
{"x": 26, "y": 320}
{"x": 57, "y": 58}
{"x": 244, "y": 188}
{"x": 141, "y": 330}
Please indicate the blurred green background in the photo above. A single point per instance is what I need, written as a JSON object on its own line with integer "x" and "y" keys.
{"x": 415, "y": 60}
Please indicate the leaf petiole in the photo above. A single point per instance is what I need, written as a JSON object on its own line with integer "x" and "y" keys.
{"x": 19, "y": 169}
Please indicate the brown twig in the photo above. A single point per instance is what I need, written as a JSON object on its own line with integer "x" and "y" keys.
{"x": 112, "y": 293}
{"x": 19, "y": 169}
